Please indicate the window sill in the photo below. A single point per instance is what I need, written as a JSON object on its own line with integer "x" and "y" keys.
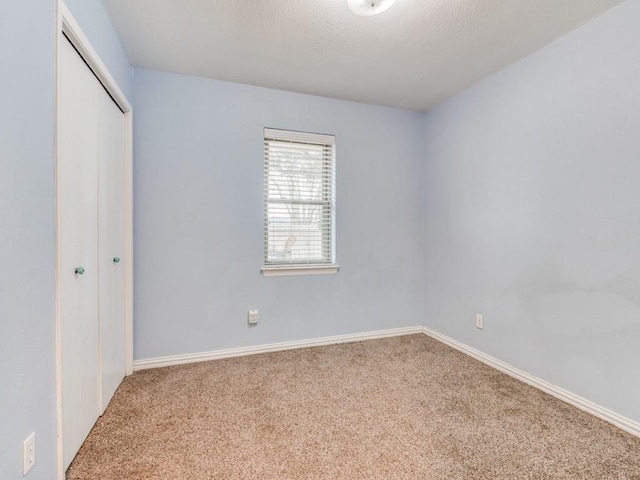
{"x": 292, "y": 270}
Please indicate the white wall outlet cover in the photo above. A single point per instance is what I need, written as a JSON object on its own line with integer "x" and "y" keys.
{"x": 29, "y": 453}
{"x": 253, "y": 317}
{"x": 479, "y": 321}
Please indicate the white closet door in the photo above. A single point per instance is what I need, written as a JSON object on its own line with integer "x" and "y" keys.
{"x": 113, "y": 144}
{"x": 78, "y": 248}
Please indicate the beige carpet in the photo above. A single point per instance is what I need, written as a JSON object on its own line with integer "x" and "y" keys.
{"x": 399, "y": 408}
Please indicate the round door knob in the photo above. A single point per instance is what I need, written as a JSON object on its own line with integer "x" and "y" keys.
{"x": 116, "y": 259}
{"x": 79, "y": 270}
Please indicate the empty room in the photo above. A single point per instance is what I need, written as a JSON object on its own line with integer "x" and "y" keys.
{"x": 320, "y": 239}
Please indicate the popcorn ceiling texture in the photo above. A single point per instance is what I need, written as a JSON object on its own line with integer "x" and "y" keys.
{"x": 412, "y": 56}
{"x": 399, "y": 408}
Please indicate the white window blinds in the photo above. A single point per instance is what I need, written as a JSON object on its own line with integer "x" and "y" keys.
{"x": 299, "y": 198}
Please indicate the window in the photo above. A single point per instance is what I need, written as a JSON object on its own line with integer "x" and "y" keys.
{"x": 299, "y": 203}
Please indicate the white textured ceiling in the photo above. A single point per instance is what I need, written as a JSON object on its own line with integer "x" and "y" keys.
{"x": 414, "y": 55}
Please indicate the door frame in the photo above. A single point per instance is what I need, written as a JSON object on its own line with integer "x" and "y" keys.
{"x": 66, "y": 25}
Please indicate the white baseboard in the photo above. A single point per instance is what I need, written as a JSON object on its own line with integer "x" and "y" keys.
{"x": 619, "y": 421}
{"x": 273, "y": 347}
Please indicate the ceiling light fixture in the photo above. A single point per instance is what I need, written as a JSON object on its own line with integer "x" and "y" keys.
{"x": 367, "y": 8}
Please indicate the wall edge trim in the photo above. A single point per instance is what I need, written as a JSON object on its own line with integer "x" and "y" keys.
{"x": 167, "y": 361}
{"x": 626, "y": 424}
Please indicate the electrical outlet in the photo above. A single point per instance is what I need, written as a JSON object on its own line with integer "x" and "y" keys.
{"x": 253, "y": 317}
{"x": 479, "y": 321}
{"x": 28, "y": 453}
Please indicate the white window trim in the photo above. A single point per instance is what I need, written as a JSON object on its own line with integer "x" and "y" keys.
{"x": 300, "y": 270}
{"x": 302, "y": 137}
{"x": 282, "y": 270}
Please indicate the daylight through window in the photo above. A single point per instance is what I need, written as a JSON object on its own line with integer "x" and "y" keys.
{"x": 299, "y": 216}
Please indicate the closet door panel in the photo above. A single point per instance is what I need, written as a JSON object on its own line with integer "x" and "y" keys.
{"x": 113, "y": 144}
{"x": 78, "y": 248}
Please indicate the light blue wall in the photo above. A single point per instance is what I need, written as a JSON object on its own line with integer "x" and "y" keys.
{"x": 533, "y": 213}
{"x": 94, "y": 21}
{"x": 198, "y": 187}
{"x": 27, "y": 357}
{"x": 27, "y": 366}
{"x": 527, "y": 182}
